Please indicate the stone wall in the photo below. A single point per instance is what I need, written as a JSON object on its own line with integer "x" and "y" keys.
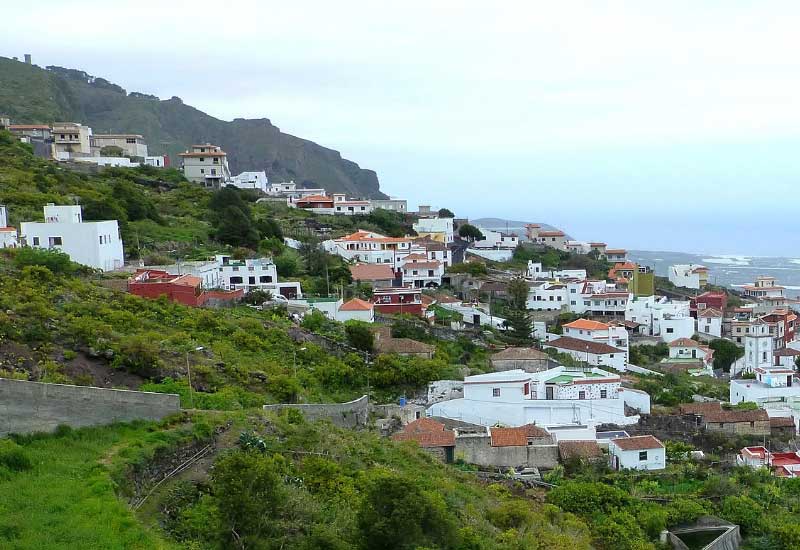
{"x": 477, "y": 449}
{"x": 38, "y": 407}
{"x": 352, "y": 414}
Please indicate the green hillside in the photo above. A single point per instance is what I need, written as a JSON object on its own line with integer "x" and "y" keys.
{"x": 30, "y": 94}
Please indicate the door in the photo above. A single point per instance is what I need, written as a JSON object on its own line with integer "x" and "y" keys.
{"x": 548, "y": 392}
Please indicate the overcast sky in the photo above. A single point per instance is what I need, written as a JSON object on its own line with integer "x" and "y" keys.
{"x": 652, "y": 125}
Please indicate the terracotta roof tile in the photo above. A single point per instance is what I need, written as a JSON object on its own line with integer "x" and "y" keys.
{"x": 357, "y": 304}
{"x": 576, "y": 344}
{"x": 587, "y": 324}
{"x": 579, "y": 449}
{"x": 684, "y": 343}
{"x": 428, "y": 433}
{"x": 638, "y": 443}
{"x": 781, "y": 422}
{"x": 371, "y": 272}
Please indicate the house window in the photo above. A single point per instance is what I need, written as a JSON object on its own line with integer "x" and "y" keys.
{"x": 581, "y": 395}
{"x": 603, "y": 394}
{"x": 495, "y": 392}
{"x": 752, "y": 424}
{"x": 236, "y": 269}
{"x": 236, "y": 280}
{"x": 101, "y": 239}
{"x": 55, "y": 241}
{"x": 265, "y": 279}
{"x": 670, "y": 330}
{"x": 202, "y": 170}
{"x": 202, "y": 159}
{"x": 36, "y": 239}
{"x": 251, "y": 280}
{"x": 642, "y": 455}
{"x": 526, "y": 389}
{"x": 386, "y": 299}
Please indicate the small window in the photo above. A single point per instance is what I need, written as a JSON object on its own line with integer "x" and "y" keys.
{"x": 526, "y": 389}
{"x": 642, "y": 455}
{"x": 603, "y": 394}
{"x": 495, "y": 392}
{"x": 251, "y": 280}
{"x": 670, "y": 330}
{"x": 36, "y": 241}
{"x": 265, "y": 279}
{"x": 581, "y": 395}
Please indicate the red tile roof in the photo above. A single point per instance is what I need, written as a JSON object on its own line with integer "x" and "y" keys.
{"x": 587, "y": 324}
{"x": 357, "y": 304}
{"x": 371, "y": 272}
{"x": 28, "y": 127}
{"x": 427, "y": 433}
{"x": 576, "y": 344}
{"x": 684, "y": 343}
{"x": 516, "y": 437}
{"x": 579, "y": 449}
{"x": 781, "y": 422}
{"x": 638, "y": 443}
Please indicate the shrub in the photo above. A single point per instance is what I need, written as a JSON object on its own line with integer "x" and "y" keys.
{"x": 14, "y": 457}
{"x": 54, "y": 260}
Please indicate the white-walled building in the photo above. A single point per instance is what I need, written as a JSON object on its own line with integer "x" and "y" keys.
{"x": 252, "y": 180}
{"x": 356, "y": 310}
{"x": 371, "y": 248}
{"x": 71, "y": 140}
{"x": 555, "y": 397}
{"x": 686, "y": 349}
{"x": 594, "y": 353}
{"x": 764, "y": 287}
{"x": 596, "y": 331}
{"x": 661, "y": 317}
{"x": 759, "y": 348}
{"x": 643, "y": 452}
{"x": 772, "y": 386}
{"x": 420, "y": 272}
{"x": 350, "y": 207}
{"x": 95, "y": 244}
{"x": 709, "y": 322}
{"x": 207, "y": 165}
{"x": 254, "y": 274}
{"x": 535, "y": 271}
{"x": 496, "y": 239}
{"x": 132, "y": 145}
{"x": 395, "y": 205}
{"x": 8, "y": 234}
{"x": 688, "y": 275}
{"x": 546, "y": 296}
{"x": 437, "y": 229}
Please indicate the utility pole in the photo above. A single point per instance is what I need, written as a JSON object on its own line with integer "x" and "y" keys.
{"x": 366, "y": 362}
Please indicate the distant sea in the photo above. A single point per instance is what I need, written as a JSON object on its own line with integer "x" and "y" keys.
{"x": 728, "y": 270}
{"x": 723, "y": 269}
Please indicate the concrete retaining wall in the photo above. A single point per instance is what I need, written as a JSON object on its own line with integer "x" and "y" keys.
{"x": 27, "y": 407}
{"x": 346, "y": 415}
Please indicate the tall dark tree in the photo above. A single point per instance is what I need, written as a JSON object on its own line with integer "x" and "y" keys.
{"x": 446, "y": 213}
{"x": 470, "y": 233}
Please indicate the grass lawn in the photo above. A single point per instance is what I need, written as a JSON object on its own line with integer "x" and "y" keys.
{"x": 67, "y": 499}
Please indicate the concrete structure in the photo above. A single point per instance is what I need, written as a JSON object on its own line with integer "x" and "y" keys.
{"x": 436, "y": 229}
{"x": 764, "y": 287}
{"x": 385, "y": 343}
{"x": 132, "y": 145}
{"x": 661, "y": 317}
{"x": 184, "y": 289}
{"x": 252, "y": 180}
{"x": 555, "y": 397}
{"x": 207, "y": 165}
{"x": 71, "y": 140}
{"x": 546, "y": 296}
{"x": 395, "y": 205}
{"x": 28, "y": 132}
{"x": 430, "y": 435}
{"x": 157, "y": 161}
{"x": 688, "y": 275}
{"x": 536, "y": 271}
{"x": 708, "y": 300}
{"x": 350, "y": 207}
{"x": 352, "y": 414}
{"x": 526, "y": 446}
{"x": 785, "y": 464}
{"x": 356, "y": 310}
{"x": 616, "y": 255}
{"x": 527, "y": 359}
{"x": 497, "y": 239}
{"x": 420, "y": 272}
{"x": 643, "y": 452}
{"x": 95, "y": 244}
{"x": 27, "y": 407}
{"x": 612, "y": 334}
{"x": 8, "y": 234}
{"x": 759, "y": 347}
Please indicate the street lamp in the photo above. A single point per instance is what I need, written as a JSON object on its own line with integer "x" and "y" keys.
{"x": 189, "y": 374}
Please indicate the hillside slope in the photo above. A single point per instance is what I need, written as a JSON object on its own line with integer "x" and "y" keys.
{"x": 31, "y": 94}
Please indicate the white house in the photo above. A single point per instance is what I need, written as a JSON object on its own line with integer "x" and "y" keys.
{"x": 496, "y": 239}
{"x": 351, "y": 207}
{"x": 251, "y": 180}
{"x": 764, "y": 287}
{"x": 421, "y": 272}
{"x": 759, "y": 348}
{"x": 95, "y": 244}
{"x": 254, "y": 274}
{"x": 356, "y": 310}
{"x": 688, "y": 275}
{"x": 595, "y": 331}
{"x": 555, "y": 397}
{"x": 206, "y": 271}
{"x": 709, "y": 322}
{"x": 132, "y": 145}
{"x": 535, "y": 271}
{"x": 395, "y": 205}
{"x": 207, "y": 165}
{"x": 593, "y": 353}
{"x": 661, "y": 317}
{"x": 643, "y": 452}
{"x": 437, "y": 229}
{"x": 474, "y": 315}
{"x": 8, "y": 235}
{"x": 371, "y": 248}
{"x": 772, "y": 386}
{"x": 546, "y": 296}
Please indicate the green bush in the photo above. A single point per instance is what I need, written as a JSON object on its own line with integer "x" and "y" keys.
{"x": 14, "y": 457}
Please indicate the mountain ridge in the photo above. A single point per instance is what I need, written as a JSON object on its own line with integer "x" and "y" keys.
{"x": 31, "y": 94}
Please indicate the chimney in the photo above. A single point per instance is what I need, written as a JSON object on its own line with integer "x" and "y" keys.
{"x": 28, "y": 58}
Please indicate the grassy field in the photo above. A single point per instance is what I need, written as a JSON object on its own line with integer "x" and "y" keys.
{"x": 67, "y": 498}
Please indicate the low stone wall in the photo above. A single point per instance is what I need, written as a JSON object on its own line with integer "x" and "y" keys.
{"x": 352, "y": 414}
{"x": 27, "y": 407}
